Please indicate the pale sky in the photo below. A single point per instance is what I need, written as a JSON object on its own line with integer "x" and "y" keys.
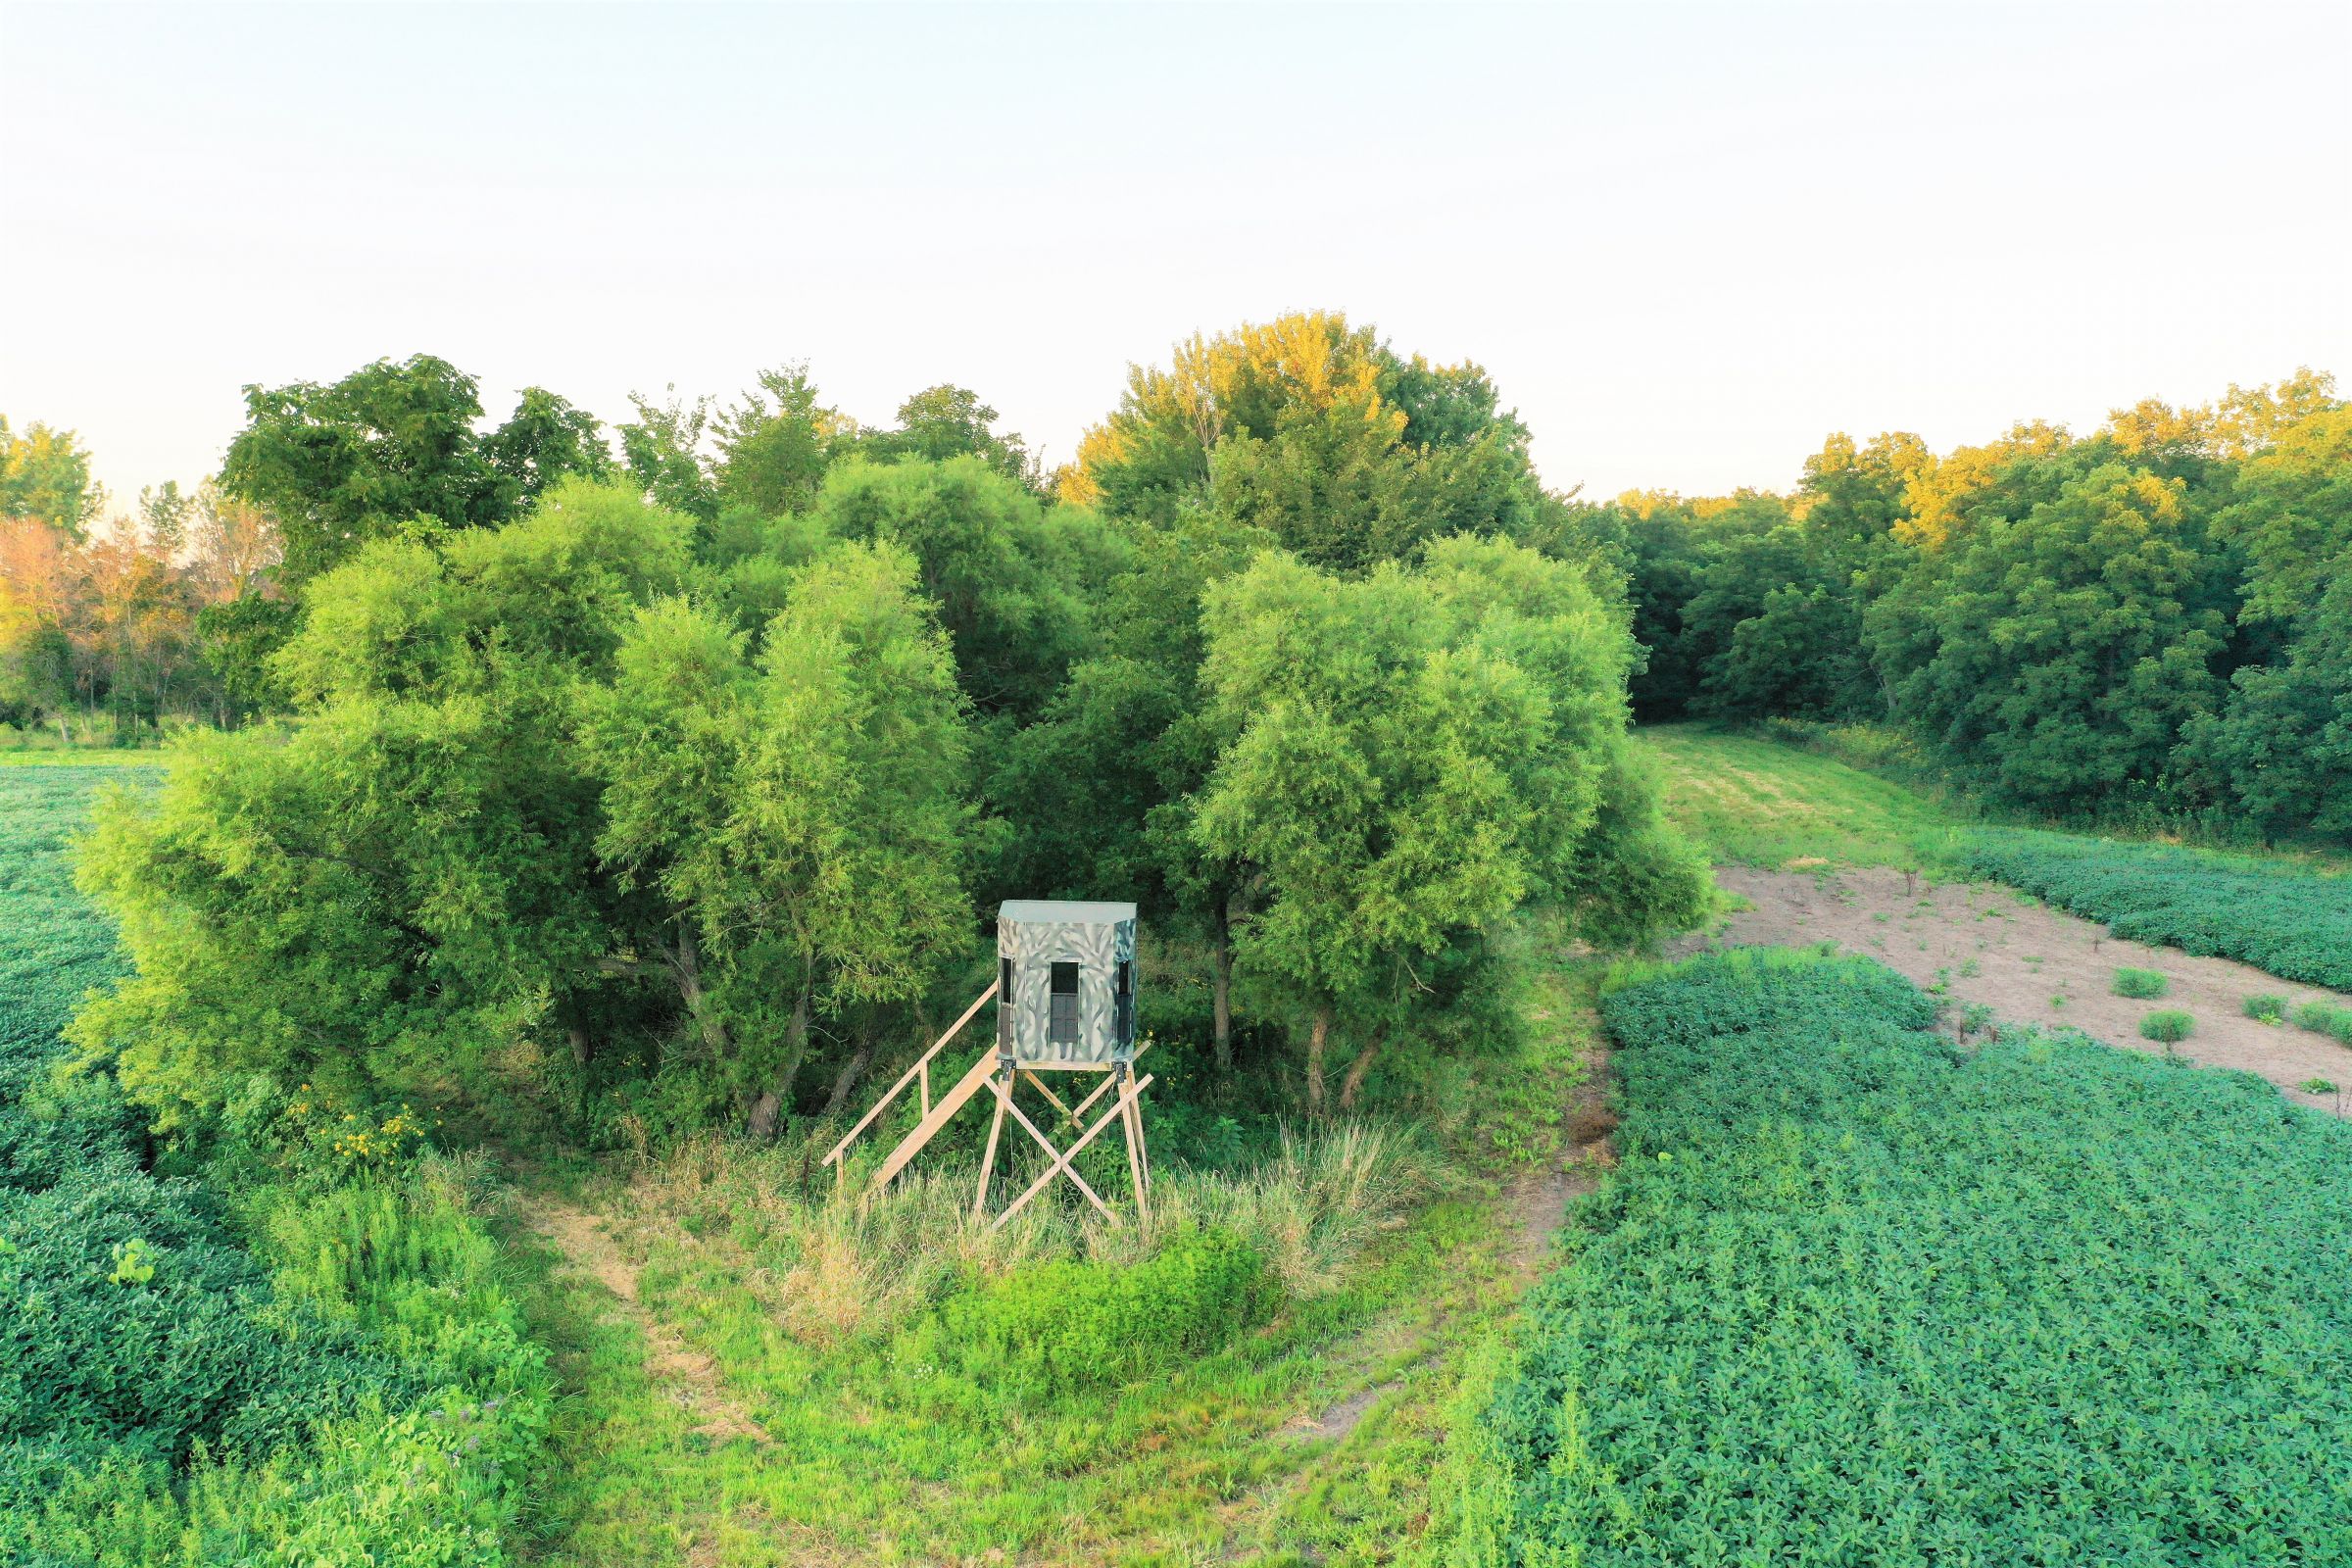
{"x": 1687, "y": 242}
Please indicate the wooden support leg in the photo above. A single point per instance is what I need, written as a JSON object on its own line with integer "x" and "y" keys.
{"x": 1136, "y": 1171}
{"x": 1040, "y": 1085}
{"x": 988, "y": 1160}
{"x": 1061, "y": 1162}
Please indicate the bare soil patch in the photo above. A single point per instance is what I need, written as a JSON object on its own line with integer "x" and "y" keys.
{"x": 1992, "y": 945}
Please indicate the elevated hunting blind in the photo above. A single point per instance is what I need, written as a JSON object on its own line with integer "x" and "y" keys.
{"x": 1065, "y": 984}
{"x": 1065, "y": 991}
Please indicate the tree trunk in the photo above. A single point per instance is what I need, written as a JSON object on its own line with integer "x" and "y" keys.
{"x": 687, "y": 963}
{"x": 1317, "y": 1038}
{"x": 852, "y": 1070}
{"x": 1221, "y": 987}
{"x": 1355, "y": 1074}
{"x": 768, "y": 1109}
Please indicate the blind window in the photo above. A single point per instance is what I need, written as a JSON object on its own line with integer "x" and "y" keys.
{"x": 1061, "y": 1018}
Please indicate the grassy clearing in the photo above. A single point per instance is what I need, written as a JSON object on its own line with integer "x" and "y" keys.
{"x": 1770, "y": 804}
{"x": 1857, "y": 1294}
{"x": 1306, "y": 1436}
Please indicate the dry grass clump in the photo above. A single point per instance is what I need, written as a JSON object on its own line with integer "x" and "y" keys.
{"x": 831, "y": 1270}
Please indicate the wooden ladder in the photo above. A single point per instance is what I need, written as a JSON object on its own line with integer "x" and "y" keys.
{"x": 936, "y": 1113}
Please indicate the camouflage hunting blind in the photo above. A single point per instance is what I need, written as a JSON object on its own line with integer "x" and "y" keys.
{"x": 1065, "y": 984}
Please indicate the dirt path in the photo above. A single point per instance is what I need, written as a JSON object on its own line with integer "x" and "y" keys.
{"x": 1989, "y": 944}
{"x": 580, "y": 1239}
{"x": 1535, "y": 1207}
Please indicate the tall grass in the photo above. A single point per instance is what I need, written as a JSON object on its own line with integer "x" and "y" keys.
{"x": 832, "y": 1269}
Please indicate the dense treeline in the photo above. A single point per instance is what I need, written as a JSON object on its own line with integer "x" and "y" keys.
{"x": 120, "y": 626}
{"x": 2155, "y": 620}
{"x": 676, "y": 785}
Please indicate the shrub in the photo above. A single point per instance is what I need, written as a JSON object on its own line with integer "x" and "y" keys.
{"x": 2265, "y": 1008}
{"x": 2140, "y": 984}
{"x": 2170, "y": 1026}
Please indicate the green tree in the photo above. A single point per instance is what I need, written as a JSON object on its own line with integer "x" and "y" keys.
{"x": 807, "y": 819}
{"x": 663, "y": 451}
{"x": 2054, "y": 658}
{"x": 45, "y": 474}
{"x": 950, "y": 421}
{"x": 545, "y": 439}
{"x": 1318, "y": 434}
{"x": 1410, "y": 756}
{"x": 340, "y": 465}
{"x": 406, "y": 884}
{"x": 1099, "y": 792}
{"x": 1012, "y": 583}
{"x": 775, "y": 444}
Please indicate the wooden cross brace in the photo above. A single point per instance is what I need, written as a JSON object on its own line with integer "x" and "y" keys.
{"x": 1124, "y": 1111}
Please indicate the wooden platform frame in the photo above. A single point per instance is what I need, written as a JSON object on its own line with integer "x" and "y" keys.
{"x": 1001, "y": 1077}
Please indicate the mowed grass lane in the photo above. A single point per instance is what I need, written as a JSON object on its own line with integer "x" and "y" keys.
{"x": 1767, "y": 804}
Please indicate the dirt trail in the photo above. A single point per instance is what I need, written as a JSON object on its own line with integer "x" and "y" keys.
{"x": 1536, "y": 1206}
{"x": 579, "y": 1237}
{"x": 2034, "y": 964}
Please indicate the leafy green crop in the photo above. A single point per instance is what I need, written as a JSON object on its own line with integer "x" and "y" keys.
{"x": 1857, "y": 1296}
{"x": 2295, "y": 923}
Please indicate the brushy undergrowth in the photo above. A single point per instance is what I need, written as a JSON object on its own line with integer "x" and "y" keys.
{"x": 2169, "y": 1026}
{"x": 2291, "y": 921}
{"x": 2266, "y": 1006}
{"x": 2141, "y": 985}
{"x": 1857, "y": 1294}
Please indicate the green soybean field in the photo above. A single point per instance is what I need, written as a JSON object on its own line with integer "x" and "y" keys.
{"x": 1862, "y": 1295}
{"x": 2294, "y": 922}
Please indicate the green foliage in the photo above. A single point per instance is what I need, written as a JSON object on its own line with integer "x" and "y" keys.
{"x": 45, "y": 474}
{"x": 1010, "y": 580}
{"x": 808, "y": 818}
{"x": 2140, "y": 984}
{"x": 1317, "y": 434}
{"x": 1875, "y": 1242}
{"x": 2056, "y": 656}
{"x": 2169, "y": 1025}
{"x": 2266, "y": 1007}
{"x": 2152, "y": 620}
{"x": 1412, "y": 755}
{"x": 391, "y": 449}
{"x": 1056, "y": 1328}
{"x": 2294, "y": 923}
